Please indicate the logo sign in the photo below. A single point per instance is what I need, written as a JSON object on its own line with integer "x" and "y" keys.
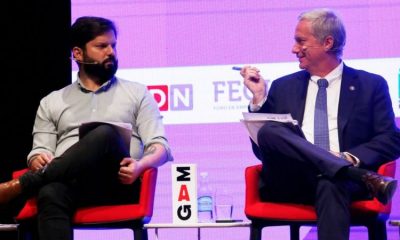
{"x": 160, "y": 94}
{"x": 184, "y": 193}
{"x": 175, "y": 97}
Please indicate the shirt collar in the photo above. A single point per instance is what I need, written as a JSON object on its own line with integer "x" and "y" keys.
{"x": 104, "y": 87}
{"x": 333, "y": 75}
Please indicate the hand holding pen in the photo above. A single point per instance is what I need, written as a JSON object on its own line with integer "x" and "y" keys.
{"x": 252, "y": 73}
{"x": 253, "y": 80}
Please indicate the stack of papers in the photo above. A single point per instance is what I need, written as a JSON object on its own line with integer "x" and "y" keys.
{"x": 254, "y": 121}
{"x": 247, "y": 116}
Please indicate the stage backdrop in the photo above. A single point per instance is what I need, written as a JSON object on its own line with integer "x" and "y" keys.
{"x": 184, "y": 52}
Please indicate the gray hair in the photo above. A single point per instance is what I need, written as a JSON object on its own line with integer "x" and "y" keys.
{"x": 324, "y": 23}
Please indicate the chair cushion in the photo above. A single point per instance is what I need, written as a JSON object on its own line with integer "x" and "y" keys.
{"x": 28, "y": 211}
{"x": 281, "y": 211}
{"x": 300, "y": 212}
{"x": 106, "y": 214}
{"x": 89, "y": 215}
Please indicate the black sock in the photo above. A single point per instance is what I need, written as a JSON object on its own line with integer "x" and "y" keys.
{"x": 352, "y": 173}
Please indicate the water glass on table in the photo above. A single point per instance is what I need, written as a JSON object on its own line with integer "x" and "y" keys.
{"x": 223, "y": 205}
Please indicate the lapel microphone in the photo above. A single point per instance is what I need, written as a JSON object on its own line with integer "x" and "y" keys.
{"x": 82, "y": 62}
{"x": 304, "y": 48}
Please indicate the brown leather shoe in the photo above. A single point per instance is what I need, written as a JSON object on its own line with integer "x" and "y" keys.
{"x": 9, "y": 190}
{"x": 381, "y": 187}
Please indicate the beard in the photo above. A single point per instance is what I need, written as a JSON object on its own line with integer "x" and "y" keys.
{"x": 103, "y": 71}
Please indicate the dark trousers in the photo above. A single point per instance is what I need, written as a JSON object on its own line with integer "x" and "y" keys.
{"x": 295, "y": 170}
{"x": 86, "y": 174}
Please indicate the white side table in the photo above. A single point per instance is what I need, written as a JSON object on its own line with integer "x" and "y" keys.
{"x": 395, "y": 223}
{"x": 8, "y": 227}
{"x": 199, "y": 226}
{"x": 8, "y": 231}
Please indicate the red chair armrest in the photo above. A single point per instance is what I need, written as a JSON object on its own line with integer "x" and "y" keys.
{"x": 147, "y": 191}
{"x": 18, "y": 173}
{"x": 252, "y": 176}
{"x": 388, "y": 169}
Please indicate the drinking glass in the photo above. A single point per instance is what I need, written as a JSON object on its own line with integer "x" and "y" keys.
{"x": 223, "y": 205}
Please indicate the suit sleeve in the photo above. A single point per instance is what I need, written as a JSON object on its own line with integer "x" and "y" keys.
{"x": 384, "y": 144}
{"x": 266, "y": 108}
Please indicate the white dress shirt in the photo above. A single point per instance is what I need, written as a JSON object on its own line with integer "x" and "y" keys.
{"x": 333, "y": 93}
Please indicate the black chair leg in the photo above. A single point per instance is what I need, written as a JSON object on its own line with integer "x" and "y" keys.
{"x": 140, "y": 233}
{"x": 294, "y": 232}
{"x": 8, "y": 235}
{"x": 377, "y": 230}
{"x": 26, "y": 234}
{"x": 255, "y": 232}
{"x": 28, "y": 231}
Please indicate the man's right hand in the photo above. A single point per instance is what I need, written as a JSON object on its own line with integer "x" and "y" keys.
{"x": 254, "y": 82}
{"x": 39, "y": 161}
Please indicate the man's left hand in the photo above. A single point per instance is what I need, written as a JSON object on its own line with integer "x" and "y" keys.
{"x": 129, "y": 171}
{"x": 345, "y": 156}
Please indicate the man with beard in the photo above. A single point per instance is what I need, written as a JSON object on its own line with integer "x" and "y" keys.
{"x": 65, "y": 167}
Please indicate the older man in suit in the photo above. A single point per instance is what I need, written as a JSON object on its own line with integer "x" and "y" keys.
{"x": 348, "y": 123}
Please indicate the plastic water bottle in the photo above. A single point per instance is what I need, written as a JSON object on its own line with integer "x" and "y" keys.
{"x": 205, "y": 203}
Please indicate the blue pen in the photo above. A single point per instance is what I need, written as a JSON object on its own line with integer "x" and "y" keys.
{"x": 236, "y": 68}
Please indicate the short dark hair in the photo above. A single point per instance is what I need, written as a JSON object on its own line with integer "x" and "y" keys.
{"x": 88, "y": 28}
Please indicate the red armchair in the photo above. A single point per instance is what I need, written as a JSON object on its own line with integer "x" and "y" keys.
{"x": 369, "y": 213}
{"x": 131, "y": 216}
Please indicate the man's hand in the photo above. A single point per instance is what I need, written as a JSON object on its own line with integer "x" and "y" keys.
{"x": 154, "y": 155}
{"x": 345, "y": 156}
{"x": 129, "y": 171}
{"x": 39, "y": 161}
{"x": 254, "y": 82}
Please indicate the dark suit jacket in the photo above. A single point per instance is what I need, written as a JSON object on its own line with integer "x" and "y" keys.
{"x": 366, "y": 122}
